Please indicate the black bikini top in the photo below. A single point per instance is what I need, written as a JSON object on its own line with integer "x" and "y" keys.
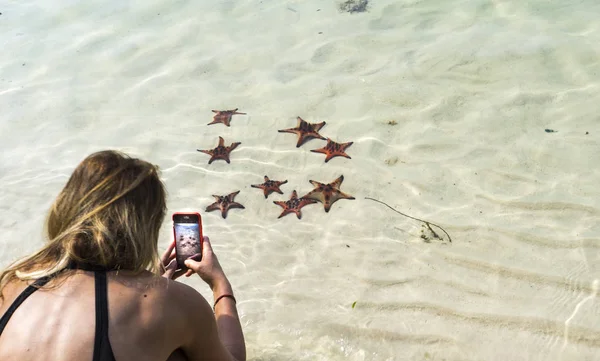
{"x": 102, "y": 348}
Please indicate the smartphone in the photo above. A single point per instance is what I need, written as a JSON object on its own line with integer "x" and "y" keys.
{"x": 187, "y": 230}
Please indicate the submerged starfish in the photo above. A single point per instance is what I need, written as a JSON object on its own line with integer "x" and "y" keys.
{"x": 333, "y": 149}
{"x": 327, "y": 193}
{"x": 305, "y": 131}
{"x": 221, "y": 151}
{"x": 224, "y": 116}
{"x": 269, "y": 186}
{"x": 224, "y": 203}
{"x": 294, "y": 205}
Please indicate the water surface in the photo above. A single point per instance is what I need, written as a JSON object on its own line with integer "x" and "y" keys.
{"x": 447, "y": 103}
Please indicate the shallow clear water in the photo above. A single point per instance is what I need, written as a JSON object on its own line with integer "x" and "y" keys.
{"x": 447, "y": 103}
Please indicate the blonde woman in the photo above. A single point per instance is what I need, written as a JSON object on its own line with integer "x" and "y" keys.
{"x": 97, "y": 289}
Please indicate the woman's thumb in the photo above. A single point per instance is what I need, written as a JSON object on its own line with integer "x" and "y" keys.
{"x": 206, "y": 246}
{"x": 191, "y": 264}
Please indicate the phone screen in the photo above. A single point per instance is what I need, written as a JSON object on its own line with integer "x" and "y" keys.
{"x": 187, "y": 240}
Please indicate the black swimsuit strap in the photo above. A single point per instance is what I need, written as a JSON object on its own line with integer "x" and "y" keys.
{"x": 19, "y": 300}
{"x": 102, "y": 349}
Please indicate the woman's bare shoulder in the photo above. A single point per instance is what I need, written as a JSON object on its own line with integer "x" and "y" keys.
{"x": 160, "y": 288}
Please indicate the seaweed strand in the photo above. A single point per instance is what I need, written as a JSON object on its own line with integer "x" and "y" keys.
{"x": 428, "y": 224}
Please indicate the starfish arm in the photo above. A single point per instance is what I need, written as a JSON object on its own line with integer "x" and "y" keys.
{"x": 316, "y": 184}
{"x": 338, "y": 182}
{"x": 209, "y": 152}
{"x": 307, "y": 195}
{"x": 314, "y": 195}
{"x": 320, "y": 150}
{"x": 236, "y": 205}
{"x": 318, "y": 127}
{"x": 233, "y": 146}
{"x": 221, "y": 141}
{"x": 316, "y": 135}
{"x": 232, "y": 195}
{"x": 284, "y": 212}
{"x": 306, "y": 201}
{"x": 290, "y": 130}
{"x": 294, "y": 195}
{"x": 257, "y": 186}
{"x": 280, "y": 203}
{"x": 333, "y": 155}
{"x": 283, "y": 182}
{"x": 342, "y": 195}
{"x": 305, "y": 137}
{"x": 339, "y": 195}
{"x": 212, "y": 207}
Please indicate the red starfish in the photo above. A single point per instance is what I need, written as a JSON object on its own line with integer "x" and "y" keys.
{"x": 294, "y": 205}
{"x": 333, "y": 149}
{"x": 305, "y": 131}
{"x": 269, "y": 186}
{"x": 327, "y": 193}
{"x": 224, "y": 116}
{"x": 224, "y": 203}
{"x": 221, "y": 151}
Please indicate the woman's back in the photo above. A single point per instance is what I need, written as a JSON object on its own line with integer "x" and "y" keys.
{"x": 56, "y": 324}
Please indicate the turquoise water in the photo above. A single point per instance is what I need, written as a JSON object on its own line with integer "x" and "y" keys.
{"x": 447, "y": 104}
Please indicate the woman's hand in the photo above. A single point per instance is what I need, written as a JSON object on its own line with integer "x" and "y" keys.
{"x": 209, "y": 268}
{"x": 169, "y": 264}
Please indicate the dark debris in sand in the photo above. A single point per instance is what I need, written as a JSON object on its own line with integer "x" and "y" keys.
{"x": 354, "y": 6}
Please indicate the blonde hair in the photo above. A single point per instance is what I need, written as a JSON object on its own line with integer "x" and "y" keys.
{"x": 108, "y": 215}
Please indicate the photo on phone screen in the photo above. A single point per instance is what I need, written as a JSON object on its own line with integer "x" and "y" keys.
{"x": 187, "y": 242}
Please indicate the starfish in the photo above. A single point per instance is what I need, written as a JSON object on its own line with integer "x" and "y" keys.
{"x": 333, "y": 149}
{"x": 224, "y": 203}
{"x": 221, "y": 151}
{"x": 305, "y": 131}
{"x": 327, "y": 193}
{"x": 269, "y": 186}
{"x": 224, "y": 116}
{"x": 294, "y": 205}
